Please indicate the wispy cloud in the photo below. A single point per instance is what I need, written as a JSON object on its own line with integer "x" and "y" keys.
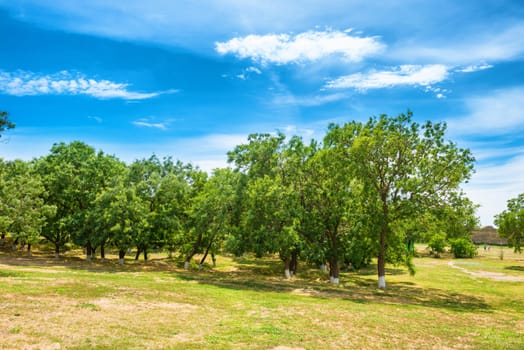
{"x": 494, "y": 46}
{"x": 152, "y": 124}
{"x": 308, "y": 101}
{"x": 304, "y": 47}
{"x": 23, "y": 83}
{"x": 492, "y": 128}
{"x": 492, "y": 185}
{"x": 253, "y": 70}
{"x": 95, "y": 118}
{"x": 409, "y": 75}
{"x": 500, "y": 112}
{"x": 474, "y": 68}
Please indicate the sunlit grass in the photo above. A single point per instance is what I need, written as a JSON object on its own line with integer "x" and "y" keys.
{"x": 245, "y": 303}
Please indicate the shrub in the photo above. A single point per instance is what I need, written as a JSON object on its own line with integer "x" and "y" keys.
{"x": 463, "y": 248}
{"x": 437, "y": 243}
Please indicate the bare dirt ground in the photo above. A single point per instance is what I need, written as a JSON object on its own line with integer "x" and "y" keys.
{"x": 495, "y": 276}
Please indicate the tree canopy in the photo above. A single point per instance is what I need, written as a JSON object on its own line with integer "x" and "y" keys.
{"x": 369, "y": 190}
{"x": 511, "y": 222}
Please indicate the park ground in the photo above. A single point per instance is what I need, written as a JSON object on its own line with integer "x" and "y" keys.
{"x": 245, "y": 303}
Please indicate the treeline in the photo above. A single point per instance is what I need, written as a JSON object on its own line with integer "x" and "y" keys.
{"x": 369, "y": 190}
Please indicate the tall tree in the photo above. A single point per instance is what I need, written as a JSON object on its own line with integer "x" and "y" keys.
{"x": 270, "y": 218}
{"x": 23, "y": 211}
{"x": 405, "y": 168}
{"x": 122, "y": 213}
{"x": 68, "y": 176}
{"x": 328, "y": 202}
{"x": 511, "y": 222}
{"x": 211, "y": 215}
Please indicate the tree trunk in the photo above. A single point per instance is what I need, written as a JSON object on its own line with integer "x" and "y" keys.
{"x": 205, "y": 254}
{"x": 381, "y": 261}
{"x": 121, "y": 254}
{"x": 193, "y": 252}
{"x": 138, "y": 252}
{"x": 102, "y": 252}
{"x": 57, "y": 250}
{"x": 13, "y": 247}
{"x": 28, "y": 249}
{"x": 145, "y": 254}
{"x": 287, "y": 264}
{"x": 334, "y": 270}
{"x": 214, "y": 259}
{"x": 93, "y": 253}
{"x": 294, "y": 263}
{"x": 88, "y": 251}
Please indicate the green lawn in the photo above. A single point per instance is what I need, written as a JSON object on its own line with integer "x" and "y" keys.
{"x": 244, "y": 303}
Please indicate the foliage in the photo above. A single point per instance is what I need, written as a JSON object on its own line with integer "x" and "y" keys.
{"x": 5, "y": 123}
{"x": 369, "y": 190}
{"x": 405, "y": 169}
{"x": 511, "y": 222}
{"x": 23, "y": 211}
{"x": 437, "y": 243}
{"x": 463, "y": 248}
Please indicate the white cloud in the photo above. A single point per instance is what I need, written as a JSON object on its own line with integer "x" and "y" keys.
{"x": 474, "y": 68}
{"x": 253, "y": 70}
{"x": 411, "y": 75}
{"x": 304, "y": 47}
{"x": 492, "y": 185}
{"x": 95, "y": 118}
{"x": 500, "y": 112}
{"x": 474, "y": 46}
{"x": 152, "y": 123}
{"x": 492, "y": 127}
{"x": 308, "y": 101}
{"x": 22, "y": 83}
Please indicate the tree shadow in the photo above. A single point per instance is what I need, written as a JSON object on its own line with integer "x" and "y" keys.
{"x": 355, "y": 289}
{"x": 267, "y": 275}
{"x": 95, "y": 265}
{"x": 515, "y": 268}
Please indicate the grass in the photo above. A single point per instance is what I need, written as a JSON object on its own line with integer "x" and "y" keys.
{"x": 244, "y": 303}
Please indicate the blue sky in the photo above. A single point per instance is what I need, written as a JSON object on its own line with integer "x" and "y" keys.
{"x": 191, "y": 79}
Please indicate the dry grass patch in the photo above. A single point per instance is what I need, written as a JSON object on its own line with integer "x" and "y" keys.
{"x": 246, "y": 304}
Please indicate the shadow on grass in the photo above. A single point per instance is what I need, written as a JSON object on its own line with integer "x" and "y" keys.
{"x": 265, "y": 275}
{"x": 262, "y": 275}
{"x": 515, "y": 268}
{"x": 96, "y": 265}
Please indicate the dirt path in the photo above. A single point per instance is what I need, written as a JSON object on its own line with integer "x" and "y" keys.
{"x": 495, "y": 276}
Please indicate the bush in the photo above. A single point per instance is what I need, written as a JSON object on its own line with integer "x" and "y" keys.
{"x": 437, "y": 243}
{"x": 463, "y": 248}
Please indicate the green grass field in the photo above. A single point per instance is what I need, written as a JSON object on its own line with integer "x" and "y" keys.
{"x": 244, "y": 303}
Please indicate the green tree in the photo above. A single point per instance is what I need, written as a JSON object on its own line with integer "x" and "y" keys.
{"x": 165, "y": 187}
{"x": 437, "y": 243}
{"x": 212, "y": 215}
{"x": 405, "y": 168}
{"x": 122, "y": 213}
{"x": 511, "y": 222}
{"x": 328, "y": 208}
{"x": 106, "y": 170}
{"x": 69, "y": 177}
{"x": 23, "y": 211}
{"x": 270, "y": 218}
{"x": 463, "y": 248}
